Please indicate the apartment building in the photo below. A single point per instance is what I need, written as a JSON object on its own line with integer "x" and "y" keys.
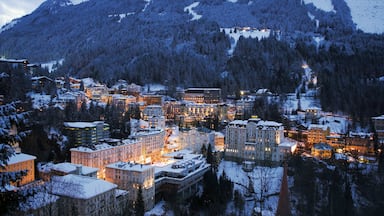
{"x": 181, "y": 174}
{"x": 19, "y": 162}
{"x": 152, "y": 140}
{"x": 378, "y": 123}
{"x": 100, "y": 155}
{"x": 86, "y": 133}
{"x": 317, "y": 134}
{"x": 82, "y": 195}
{"x": 131, "y": 176}
{"x": 203, "y": 95}
{"x": 257, "y": 140}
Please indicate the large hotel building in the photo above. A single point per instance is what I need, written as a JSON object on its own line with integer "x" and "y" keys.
{"x": 257, "y": 140}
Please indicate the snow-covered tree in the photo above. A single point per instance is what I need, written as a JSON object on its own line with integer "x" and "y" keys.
{"x": 9, "y": 118}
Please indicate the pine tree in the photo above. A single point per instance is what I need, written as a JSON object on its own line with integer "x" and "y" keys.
{"x": 8, "y": 117}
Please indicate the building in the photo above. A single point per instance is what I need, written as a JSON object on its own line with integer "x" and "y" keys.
{"x": 244, "y": 107}
{"x": 321, "y": 150}
{"x": 19, "y": 162}
{"x": 152, "y": 142}
{"x": 96, "y": 92}
{"x": 82, "y": 195}
{"x": 317, "y": 134}
{"x": 100, "y": 155}
{"x": 131, "y": 176}
{"x": 361, "y": 143}
{"x": 122, "y": 102}
{"x": 179, "y": 175}
{"x": 193, "y": 139}
{"x": 86, "y": 133}
{"x": 152, "y": 110}
{"x": 235, "y": 135}
{"x": 378, "y": 123}
{"x": 151, "y": 99}
{"x": 66, "y": 168}
{"x": 200, "y": 110}
{"x": 256, "y": 140}
{"x": 41, "y": 82}
{"x": 203, "y": 95}
{"x": 217, "y": 139}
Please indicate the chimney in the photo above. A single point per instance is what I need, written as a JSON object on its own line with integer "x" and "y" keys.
{"x": 79, "y": 169}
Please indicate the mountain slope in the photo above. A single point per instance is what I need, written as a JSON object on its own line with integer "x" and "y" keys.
{"x": 177, "y": 42}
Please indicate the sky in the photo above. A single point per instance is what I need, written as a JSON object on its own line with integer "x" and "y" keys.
{"x": 11, "y": 9}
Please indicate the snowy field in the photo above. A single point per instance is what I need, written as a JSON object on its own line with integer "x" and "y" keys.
{"x": 367, "y": 14}
{"x": 241, "y": 183}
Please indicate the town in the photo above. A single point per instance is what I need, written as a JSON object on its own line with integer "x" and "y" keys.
{"x": 154, "y": 147}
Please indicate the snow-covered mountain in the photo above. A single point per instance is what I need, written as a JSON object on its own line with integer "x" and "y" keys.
{"x": 367, "y": 15}
{"x": 109, "y": 39}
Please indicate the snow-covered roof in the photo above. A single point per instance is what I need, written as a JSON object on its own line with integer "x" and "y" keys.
{"x": 20, "y": 157}
{"x": 322, "y": 146}
{"x": 317, "y": 126}
{"x": 80, "y": 124}
{"x": 238, "y": 122}
{"x": 98, "y": 147}
{"x": 70, "y": 167}
{"x": 80, "y": 187}
{"x": 129, "y": 166}
{"x": 269, "y": 124}
{"x": 378, "y": 117}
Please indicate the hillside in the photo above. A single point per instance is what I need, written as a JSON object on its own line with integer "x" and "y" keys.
{"x": 181, "y": 43}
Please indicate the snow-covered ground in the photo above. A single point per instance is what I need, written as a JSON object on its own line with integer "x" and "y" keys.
{"x": 367, "y": 14}
{"x": 9, "y": 25}
{"x": 146, "y": 5}
{"x": 325, "y": 5}
{"x": 241, "y": 182}
{"x": 159, "y": 209}
{"x": 234, "y": 35}
{"x": 121, "y": 16}
{"x": 39, "y": 101}
{"x": 189, "y": 9}
{"x": 52, "y": 65}
{"x": 76, "y": 2}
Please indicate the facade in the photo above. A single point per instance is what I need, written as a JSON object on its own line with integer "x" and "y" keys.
{"x": 99, "y": 156}
{"x": 235, "y": 135}
{"x": 217, "y": 140}
{"x": 130, "y": 176}
{"x": 152, "y": 142}
{"x": 181, "y": 175}
{"x": 362, "y": 143}
{"x": 256, "y": 140}
{"x": 200, "y": 110}
{"x": 96, "y": 92}
{"x": 193, "y": 139}
{"x": 152, "y": 110}
{"x": 122, "y": 102}
{"x": 19, "y": 162}
{"x": 86, "y": 133}
{"x": 151, "y": 99}
{"x": 378, "y": 123}
{"x": 156, "y": 122}
{"x": 322, "y": 150}
{"x": 317, "y": 134}
{"x": 203, "y": 95}
{"x": 82, "y": 195}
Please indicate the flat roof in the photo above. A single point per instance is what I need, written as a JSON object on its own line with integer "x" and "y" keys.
{"x": 129, "y": 166}
{"x": 70, "y": 167}
{"x": 20, "y": 157}
{"x": 80, "y": 187}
